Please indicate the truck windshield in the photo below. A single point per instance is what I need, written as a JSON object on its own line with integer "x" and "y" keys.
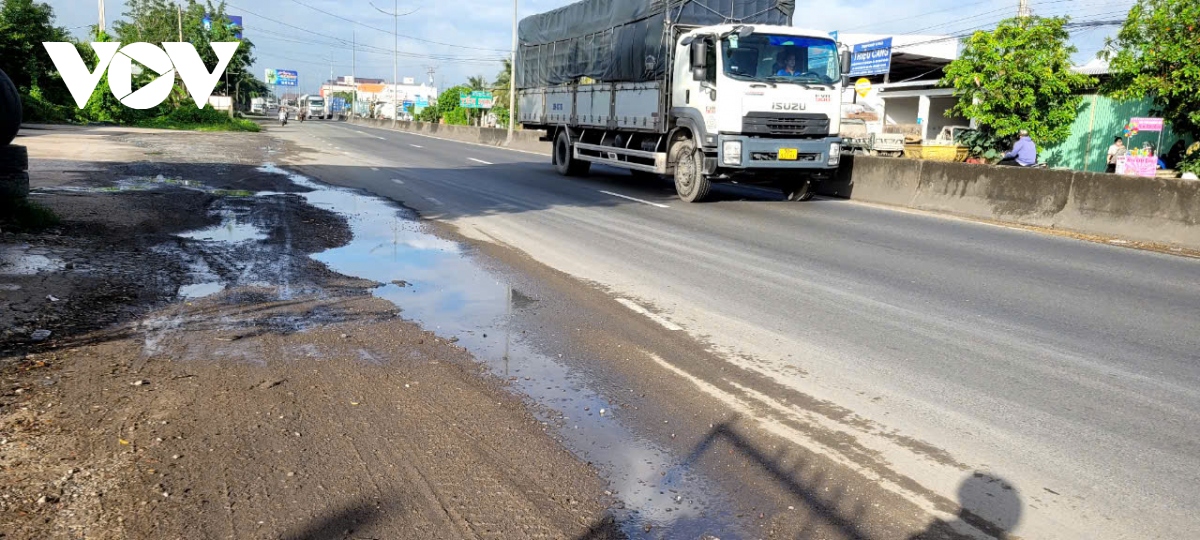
{"x": 781, "y": 59}
{"x": 317, "y": 103}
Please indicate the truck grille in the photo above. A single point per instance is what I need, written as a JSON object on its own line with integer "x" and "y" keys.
{"x": 774, "y": 156}
{"x": 788, "y": 124}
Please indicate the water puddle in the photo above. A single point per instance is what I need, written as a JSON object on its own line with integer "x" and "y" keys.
{"x": 26, "y": 260}
{"x": 235, "y": 227}
{"x": 437, "y": 285}
{"x": 146, "y": 183}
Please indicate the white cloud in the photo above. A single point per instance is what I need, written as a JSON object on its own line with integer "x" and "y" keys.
{"x": 487, "y": 24}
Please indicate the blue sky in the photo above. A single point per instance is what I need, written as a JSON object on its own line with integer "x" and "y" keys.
{"x": 467, "y": 37}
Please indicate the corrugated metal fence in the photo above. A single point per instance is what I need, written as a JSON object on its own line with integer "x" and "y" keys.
{"x": 1100, "y": 120}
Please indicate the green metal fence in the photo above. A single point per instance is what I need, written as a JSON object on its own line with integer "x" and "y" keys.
{"x": 1101, "y": 119}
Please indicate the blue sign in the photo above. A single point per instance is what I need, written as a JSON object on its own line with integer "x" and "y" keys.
{"x": 871, "y": 58}
{"x": 235, "y": 22}
{"x": 286, "y": 78}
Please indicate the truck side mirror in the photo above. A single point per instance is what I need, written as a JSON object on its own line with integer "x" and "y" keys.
{"x": 699, "y": 59}
{"x": 845, "y": 62}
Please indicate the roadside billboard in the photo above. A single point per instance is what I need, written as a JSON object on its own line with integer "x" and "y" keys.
{"x": 286, "y": 78}
{"x": 235, "y": 21}
{"x": 871, "y": 58}
{"x": 479, "y": 99}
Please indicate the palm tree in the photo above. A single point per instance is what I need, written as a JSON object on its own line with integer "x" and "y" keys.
{"x": 503, "y": 83}
{"x": 475, "y": 83}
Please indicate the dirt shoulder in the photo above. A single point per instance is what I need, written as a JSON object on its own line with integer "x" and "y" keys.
{"x": 293, "y": 404}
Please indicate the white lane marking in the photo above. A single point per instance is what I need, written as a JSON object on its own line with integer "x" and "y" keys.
{"x": 492, "y": 146}
{"x": 653, "y": 316}
{"x": 416, "y": 146}
{"x": 368, "y": 134}
{"x": 433, "y": 200}
{"x": 633, "y": 199}
{"x": 481, "y": 161}
{"x": 398, "y": 181}
{"x": 374, "y": 168}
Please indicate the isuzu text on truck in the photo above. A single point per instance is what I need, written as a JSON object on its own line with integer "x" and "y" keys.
{"x": 703, "y": 90}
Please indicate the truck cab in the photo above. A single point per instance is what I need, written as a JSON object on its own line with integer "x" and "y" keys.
{"x": 762, "y": 103}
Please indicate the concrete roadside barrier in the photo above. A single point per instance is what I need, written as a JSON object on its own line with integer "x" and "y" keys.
{"x": 1159, "y": 210}
{"x": 522, "y": 140}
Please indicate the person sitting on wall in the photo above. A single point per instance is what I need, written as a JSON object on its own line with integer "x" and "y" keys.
{"x": 1024, "y": 153}
{"x": 1116, "y": 150}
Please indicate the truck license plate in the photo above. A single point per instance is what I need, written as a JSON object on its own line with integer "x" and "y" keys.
{"x": 787, "y": 154}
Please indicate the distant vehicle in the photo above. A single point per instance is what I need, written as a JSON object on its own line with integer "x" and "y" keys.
{"x": 756, "y": 101}
{"x": 258, "y": 105}
{"x": 313, "y": 107}
{"x": 857, "y": 139}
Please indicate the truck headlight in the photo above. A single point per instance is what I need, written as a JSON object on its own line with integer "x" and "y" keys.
{"x": 732, "y": 151}
{"x": 835, "y": 154}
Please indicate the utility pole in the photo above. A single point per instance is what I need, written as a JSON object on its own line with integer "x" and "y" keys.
{"x": 512, "y": 79}
{"x": 1024, "y": 9}
{"x": 395, "y": 51}
{"x": 101, "y": 29}
{"x": 179, "y": 18}
{"x": 353, "y": 71}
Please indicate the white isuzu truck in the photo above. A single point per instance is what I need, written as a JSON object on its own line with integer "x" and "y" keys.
{"x": 702, "y": 90}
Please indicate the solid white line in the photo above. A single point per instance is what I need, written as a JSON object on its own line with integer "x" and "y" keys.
{"x": 633, "y": 199}
{"x": 654, "y": 317}
{"x": 481, "y": 161}
{"x": 416, "y": 146}
{"x": 433, "y": 200}
{"x": 398, "y": 181}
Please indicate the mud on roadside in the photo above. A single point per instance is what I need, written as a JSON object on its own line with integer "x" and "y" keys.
{"x": 294, "y": 404}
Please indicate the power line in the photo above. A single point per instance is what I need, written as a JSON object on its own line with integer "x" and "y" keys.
{"x": 389, "y": 32}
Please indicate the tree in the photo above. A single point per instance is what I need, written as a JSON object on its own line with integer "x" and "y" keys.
{"x": 24, "y": 26}
{"x": 449, "y": 108}
{"x": 1157, "y": 54}
{"x": 1016, "y": 77}
{"x": 500, "y": 88}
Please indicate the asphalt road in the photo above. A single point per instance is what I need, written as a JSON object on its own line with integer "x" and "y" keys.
{"x": 1070, "y": 368}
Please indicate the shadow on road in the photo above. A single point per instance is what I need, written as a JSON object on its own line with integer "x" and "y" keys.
{"x": 987, "y": 504}
{"x": 343, "y": 522}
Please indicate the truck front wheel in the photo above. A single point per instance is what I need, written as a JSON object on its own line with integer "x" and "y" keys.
{"x": 564, "y": 160}
{"x": 691, "y": 183}
{"x": 799, "y": 191}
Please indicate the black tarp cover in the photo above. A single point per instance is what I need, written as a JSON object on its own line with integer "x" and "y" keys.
{"x": 622, "y": 40}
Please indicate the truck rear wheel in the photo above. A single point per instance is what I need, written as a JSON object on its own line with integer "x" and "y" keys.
{"x": 564, "y": 160}
{"x": 691, "y": 183}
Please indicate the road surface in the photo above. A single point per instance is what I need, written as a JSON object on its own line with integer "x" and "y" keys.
{"x": 1070, "y": 369}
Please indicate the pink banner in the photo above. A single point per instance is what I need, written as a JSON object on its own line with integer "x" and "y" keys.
{"x": 1137, "y": 165}
{"x": 1147, "y": 124}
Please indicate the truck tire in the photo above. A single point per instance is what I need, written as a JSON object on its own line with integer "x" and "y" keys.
{"x": 13, "y": 158}
{"x": 10, "y": 110}
{"x": 564, "y": 160}
{"x": 14, "y": 185}
{"x": 691, "y": 183}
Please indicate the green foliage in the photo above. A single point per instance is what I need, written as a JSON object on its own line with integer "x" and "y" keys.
{"x": 428, "y": 114}
{"x": 456, "y": 117}
{"x": 1157, "y": 54}
{"x": 24, "y": 25}
{"x": 501, "y": 86}
{"x": 1016, "y": 77}
{"x": 39, "y": 109}
{"x": 1191, "y": 160}
{"x": 207, "y": 119}
{"x": 981, "y": 143}
{"x": 502, "y": 115}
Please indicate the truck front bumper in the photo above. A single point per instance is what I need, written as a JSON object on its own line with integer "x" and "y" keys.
{"x": 752, "y": 153}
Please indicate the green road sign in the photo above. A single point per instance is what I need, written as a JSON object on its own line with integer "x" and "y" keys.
{"x": 478, "y": 99}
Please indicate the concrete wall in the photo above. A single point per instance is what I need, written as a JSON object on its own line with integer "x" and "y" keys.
{"x": 902, "y": 110}
{"x": 1144, "y": 209}
{"x": 522, "y": 139}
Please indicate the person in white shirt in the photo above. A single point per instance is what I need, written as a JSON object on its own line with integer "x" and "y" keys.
{"x": 1117, "y": 149}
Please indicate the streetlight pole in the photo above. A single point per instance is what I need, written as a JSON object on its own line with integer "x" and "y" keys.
{"x": 395, "y": 51}
{"x": 512, "y": 80}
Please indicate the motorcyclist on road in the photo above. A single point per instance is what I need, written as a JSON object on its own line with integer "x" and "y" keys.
{"x": 283, "y": 116}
